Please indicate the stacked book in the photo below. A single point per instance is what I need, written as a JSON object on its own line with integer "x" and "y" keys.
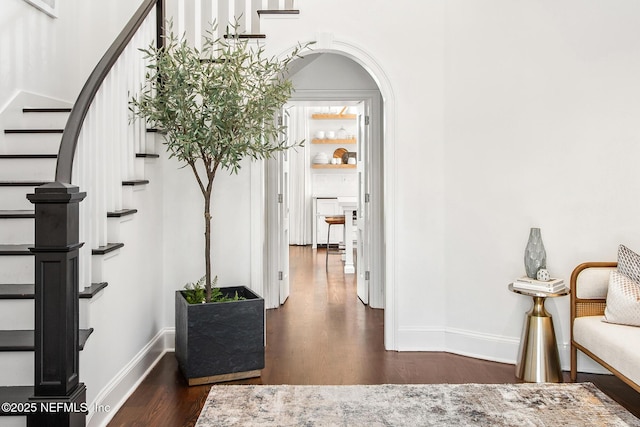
{"x": 529, "y": 284}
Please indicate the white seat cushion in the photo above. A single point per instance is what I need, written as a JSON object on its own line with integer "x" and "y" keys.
{"x": 617, "y": 345}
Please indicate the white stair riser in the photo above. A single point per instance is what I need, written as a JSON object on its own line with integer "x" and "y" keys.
{"x": 40, "y": 120}
{"x": 45, "y": 143}
{"x": 27, "y": 169}
{"x": 99, "y": 265}
{"x": 17, "y": 230}
{"x": 139, "y": 165}
{"x": 17, "y": 269}
{"x": 17, "y": 368}
{"x": 15, "y": 198}
{"x": 20, "y": 313}
{"x": 16, "y": 314}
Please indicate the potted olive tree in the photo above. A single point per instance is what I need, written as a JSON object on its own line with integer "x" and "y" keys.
{"x": 215, "y": 108}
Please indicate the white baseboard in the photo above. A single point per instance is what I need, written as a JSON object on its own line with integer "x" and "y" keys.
{"x": 458, "y": 341}
{"x": 118, "y": 390}
{"x": 496, "y": 348}
{"x": 421, "y": 339}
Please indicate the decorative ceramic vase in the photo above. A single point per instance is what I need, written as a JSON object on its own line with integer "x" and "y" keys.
{"x": 535, "y": 256}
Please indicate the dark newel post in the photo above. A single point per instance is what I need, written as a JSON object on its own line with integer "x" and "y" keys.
{"x": 57, "y": 387}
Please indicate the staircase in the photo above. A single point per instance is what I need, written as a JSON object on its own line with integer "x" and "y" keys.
{"x": 30, "y": 146}
{"x": 28, "y": 160}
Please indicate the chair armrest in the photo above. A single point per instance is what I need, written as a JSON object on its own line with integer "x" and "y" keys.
{"x": 586, "y": 306}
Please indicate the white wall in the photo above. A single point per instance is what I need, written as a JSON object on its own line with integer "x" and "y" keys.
{"x": 54, "y": 56}
{"x": 183, "y": 229}
{"x": 542, "y": 107}
{"x": 505, "y": 116}
{"x": 331, "y": 72}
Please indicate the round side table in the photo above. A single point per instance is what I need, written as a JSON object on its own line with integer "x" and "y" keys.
{"x": 538, "y": 358}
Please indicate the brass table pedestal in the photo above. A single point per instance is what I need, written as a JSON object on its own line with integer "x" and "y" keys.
{"x": 538, "y": 358}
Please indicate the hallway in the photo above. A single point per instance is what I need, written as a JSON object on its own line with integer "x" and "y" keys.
{"x": 324, "y": 335}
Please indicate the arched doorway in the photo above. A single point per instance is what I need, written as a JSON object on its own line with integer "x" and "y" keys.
{"x": 333, "y": 83}
{"x": 264, "y": 268}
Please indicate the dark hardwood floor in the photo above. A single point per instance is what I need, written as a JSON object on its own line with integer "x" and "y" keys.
{"x": 324, "y": 335}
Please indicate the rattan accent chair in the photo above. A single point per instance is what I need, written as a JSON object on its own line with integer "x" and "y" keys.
{"x": 583, "y": 304}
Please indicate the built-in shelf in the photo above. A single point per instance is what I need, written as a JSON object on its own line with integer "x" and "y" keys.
{"x": 333, "y": 141}
{"x": 330, "y": 166}
{"x": 327, "y": 116}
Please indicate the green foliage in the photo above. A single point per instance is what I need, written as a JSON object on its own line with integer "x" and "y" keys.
{"x": 195, "y": 293}
{"x": 215, "y": 107}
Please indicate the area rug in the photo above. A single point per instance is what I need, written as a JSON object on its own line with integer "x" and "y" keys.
{"x": 413, "y": 405}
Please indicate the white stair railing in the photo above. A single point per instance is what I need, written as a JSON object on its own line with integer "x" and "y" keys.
{"x": 107, "y": 148}
{"x": 193, "y": 17}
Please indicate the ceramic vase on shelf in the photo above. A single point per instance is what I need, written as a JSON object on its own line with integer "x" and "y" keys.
{"x": 535, "y": 256}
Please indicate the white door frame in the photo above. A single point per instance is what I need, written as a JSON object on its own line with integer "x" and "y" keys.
{"x": 259, "y": 243}
{"x": 373, "y": 98}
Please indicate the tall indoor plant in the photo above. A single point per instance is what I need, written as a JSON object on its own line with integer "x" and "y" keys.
{"x": 215, "y": 108}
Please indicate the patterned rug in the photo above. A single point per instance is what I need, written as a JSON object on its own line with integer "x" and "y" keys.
{"x": 413, "y": 405}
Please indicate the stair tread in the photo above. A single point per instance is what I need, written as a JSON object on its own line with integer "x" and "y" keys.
{"x": 21, "y": 291}
{"x": 23, "y": 249}
{"x": 109, "y": 247}
{"x": 22, "y": 183}
{"x": 33, "y": 130}
{"x": 93, "y": 289}
{"x": 135, "y": 182}
{"x": 27, "y": 291}
{"x": 28, "y": 156}
{"x": 279, "y": 12}
{"x": 47, "y": 110}
{"x": 120, "y": 213}
{"x": 31, "y": 214}
{"x": 16, "y": 249}
{"x": 15, "y": 394}
{"x": 17, "y": 214}
{"x": 23, "y": 340}
{"x": 245, "y": 36}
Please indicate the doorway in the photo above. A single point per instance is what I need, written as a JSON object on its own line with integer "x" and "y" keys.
{"x": 330, "y": 85}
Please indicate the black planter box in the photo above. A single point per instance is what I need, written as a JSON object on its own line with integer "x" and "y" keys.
{"x": 220, "y": 341}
